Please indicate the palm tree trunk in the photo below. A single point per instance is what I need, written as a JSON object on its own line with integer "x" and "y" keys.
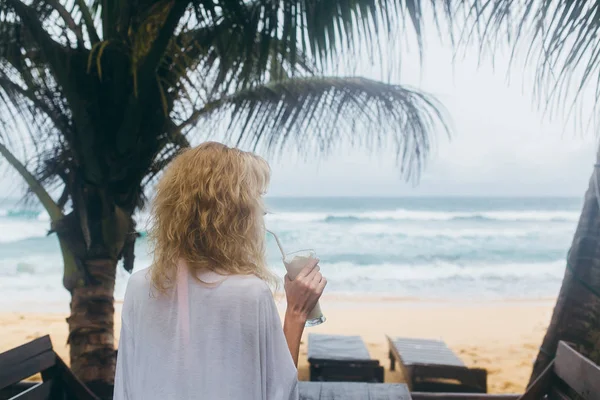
{"x": 91, "y": 328}
{"x": 576, "y": 317}
{"x": 98, "y": 233}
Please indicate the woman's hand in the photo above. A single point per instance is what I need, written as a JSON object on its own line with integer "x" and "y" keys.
{"x": 304, "y": 291}
{"x": 302, "y": 295}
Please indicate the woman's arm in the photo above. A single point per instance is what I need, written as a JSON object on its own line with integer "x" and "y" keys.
{"x": 293, "y": 326}
{"x": 302, "y": 295}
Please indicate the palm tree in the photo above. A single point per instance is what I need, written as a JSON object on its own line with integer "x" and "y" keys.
{"x": 561, "y": 39}
{"x": 110, "y": 91}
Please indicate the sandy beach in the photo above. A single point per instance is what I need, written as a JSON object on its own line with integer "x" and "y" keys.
{"x": 501, "y": 336}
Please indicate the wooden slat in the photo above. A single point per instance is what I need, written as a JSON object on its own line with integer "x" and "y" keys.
{"x": 556, "y": 393}
{"x": 442, "y": 386}
{"x": 10, "y": 374}
{"x": 578, "y": 372}
{"x": 15, "y": 389}
{"x": 309, "y": 390}
{"x": 25, "y": 351}
{"x": 75, "y": 387}
{"x": 352, "y": 391}
{"x": 406, "y": 372}
{"x": 424, "y": 351}
{"x": 337, "y": 348}
{"x": 347, "y": 373}
{"x": 389, "y": 391}
{"x": 472, "y": 379}
{"x": 540, "y": 386}
{"x": 35, "y": 357}
{"x": 424, "y": 362}
{"x": 462, "y": 396}
{"x": 40, "y": 391}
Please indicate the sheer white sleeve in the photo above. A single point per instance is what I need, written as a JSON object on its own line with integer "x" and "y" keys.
{"x": 279, "y": 374}
{"x": 124, "y": 373}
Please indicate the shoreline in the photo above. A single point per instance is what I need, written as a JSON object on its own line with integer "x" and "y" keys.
{"x": 502, "y": 336}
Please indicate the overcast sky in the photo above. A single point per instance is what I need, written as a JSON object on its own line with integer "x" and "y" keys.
{"x": 502, "y": 146}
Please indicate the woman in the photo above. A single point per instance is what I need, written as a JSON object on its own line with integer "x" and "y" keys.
{"x": 201, "y": 322}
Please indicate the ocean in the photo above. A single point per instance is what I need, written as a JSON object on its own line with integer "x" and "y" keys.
{"x": 428, "y": 248}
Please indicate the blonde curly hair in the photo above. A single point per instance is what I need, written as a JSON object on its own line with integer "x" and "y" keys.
{"x": 208, "y": 211}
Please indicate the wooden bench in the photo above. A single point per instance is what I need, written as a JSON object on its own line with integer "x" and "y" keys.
{"x": 430, "y": 366}
{"x": 337, "y": 358}
{"x": 352, "y": 391}
{"x": 462, "y": 396}
{"x": 37, "y": 356}
{"x": 568, "y": 376}
{"x": 383, "y": 391}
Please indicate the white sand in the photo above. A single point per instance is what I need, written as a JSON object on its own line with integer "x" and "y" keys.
{"x": 501, "y": 336}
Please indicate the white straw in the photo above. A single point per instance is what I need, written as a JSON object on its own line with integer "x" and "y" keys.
{"x": 278, "y": 244}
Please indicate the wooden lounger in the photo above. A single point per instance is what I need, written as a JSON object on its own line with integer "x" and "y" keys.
{"x": 341, "y": 359}
{"x": 569, "y": 376}
{"x": 58, "y": 382}
{"x": 352, "y": 391}
{"x": 430, "y": 366}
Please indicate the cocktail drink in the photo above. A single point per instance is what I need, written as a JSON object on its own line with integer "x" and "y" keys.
{"x": 294, "y": 263}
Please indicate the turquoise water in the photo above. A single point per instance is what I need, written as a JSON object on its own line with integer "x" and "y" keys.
{"x": 409, "y": 247}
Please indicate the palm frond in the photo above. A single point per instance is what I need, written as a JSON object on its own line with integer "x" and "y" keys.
{"x": 27, "y": 33}
{"x": 166, "y": 23}
{"x": 88, "y": 20}
{"x": 29, "y": 91}
{"x": 68, "y": 20}
{"x": 17, "y": 93}
{"x": 324, "y": 30}
{"x": 321, "y": 112}
{"x": 32, "y": 22}
{"x": 51, "y": 207}
{"x": 45, "y": 199}
{"x": 162, "y": 27}
{"x": 219, "y": 47}
{"x": 111, "y": 106}
{"x": 561, "y": 38}
{"x": 204, "y": 63}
